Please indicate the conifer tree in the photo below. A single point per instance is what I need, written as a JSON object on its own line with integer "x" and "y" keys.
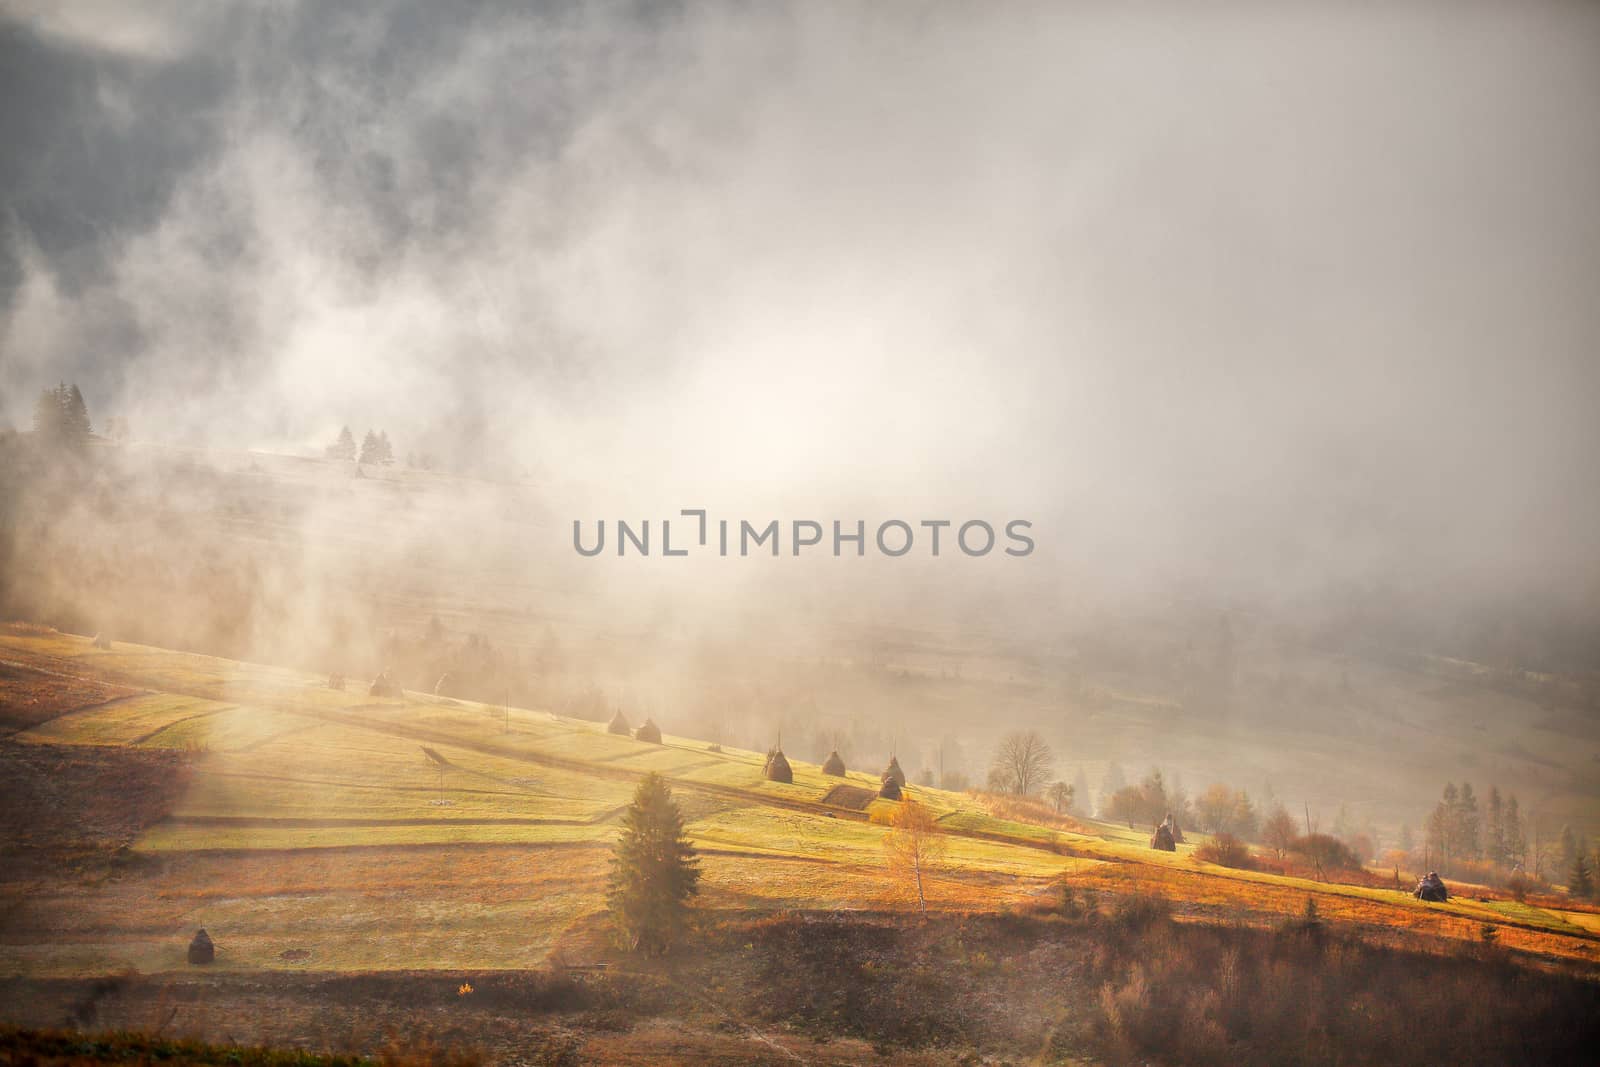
{"x": 1495, "y": 842}
{"x": 61, "y": 417}
{"x": 1569, "y": 847}
{"x": 75, "y": 416}
{"x": 1516, "y": 833}
{"x": 370, "y": 449}
{"x": 1467, "y": 824}
{"x": 345, "y": 447}
{"x": 1580, "y": 879}
{"x": 1444, "y": 827}
{"x": 654, "y": 871}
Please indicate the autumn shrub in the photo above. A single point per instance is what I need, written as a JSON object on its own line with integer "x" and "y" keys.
{"x": 1137, "y": 912}
{"x": 1227, "y": 850}
{"x": 1324, "y": 852}
{"x": 1076, "y": 903}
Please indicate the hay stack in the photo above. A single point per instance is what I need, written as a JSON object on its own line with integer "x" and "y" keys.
{"x": 777, "y": 768}
{"x": 101, "y": 641}
{"x": 1431, "y": 888}
{"x": 619, "y": 725}
{"x": 1162, "y": 838}
{"x": 648, "y": 731}
{"x": 335, "y": 681}
{"x": 383, "y": 686}
{"x": 834, "y": 764}
{"x": 894, "y": 771}
{"x": 201, "y": 950}
{"x": 890, "y": 789}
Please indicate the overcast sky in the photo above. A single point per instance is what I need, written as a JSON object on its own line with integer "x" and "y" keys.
{"x": 1268, "y": 295}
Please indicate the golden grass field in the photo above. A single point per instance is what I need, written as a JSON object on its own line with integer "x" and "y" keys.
{"x": 313, "y": 832}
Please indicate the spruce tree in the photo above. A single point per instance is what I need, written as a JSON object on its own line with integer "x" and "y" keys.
{"x": 1580, "y": 880}
{"x": 61, "y": 417}
{"x": 345, "y": 447}
{"x": 1495, "y": 845}
{"x": 1444, "y": 827}
{"x": 1516, "y": 834}
{"x": 654, "y": 871}
{"x": 1569, "y": 847}
{"x": 370, "y": 448}
{"x": 75, "y": 416}
{"x": 1468, "y": 824}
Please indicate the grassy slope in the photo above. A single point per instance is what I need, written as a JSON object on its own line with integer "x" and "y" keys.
{"x": 313, "y": 821}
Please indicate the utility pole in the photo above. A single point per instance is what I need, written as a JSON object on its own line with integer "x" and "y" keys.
{"x": 1316, "y": 859}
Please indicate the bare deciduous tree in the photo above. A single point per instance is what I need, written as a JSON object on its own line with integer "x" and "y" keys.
{"x": 1022, "y": 764}
{"x": 1279, "y": 831}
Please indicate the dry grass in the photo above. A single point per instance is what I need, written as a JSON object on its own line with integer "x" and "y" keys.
{"x": 30, "y": 696}
{"x": 1302, "y": 995}
{"x": 1027, "y": 810}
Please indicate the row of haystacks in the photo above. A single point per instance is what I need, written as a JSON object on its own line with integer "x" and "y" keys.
{"x": 775, "y": 768}
{"x": 648, "y": 731}
{"x": 892, "y": 781}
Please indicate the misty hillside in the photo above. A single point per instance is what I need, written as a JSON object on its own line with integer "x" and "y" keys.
{"x": 332, "y": 568}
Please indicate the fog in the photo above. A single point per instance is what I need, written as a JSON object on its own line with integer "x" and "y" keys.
{"x": 1285, "y": 310}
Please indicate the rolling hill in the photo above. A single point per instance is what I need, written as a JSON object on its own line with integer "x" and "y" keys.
{"x": 307, "y": 828}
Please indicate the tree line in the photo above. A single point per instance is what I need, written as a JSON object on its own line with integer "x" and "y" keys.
{"x": 375, "y": 448}
{"x": 1460, "y": 830}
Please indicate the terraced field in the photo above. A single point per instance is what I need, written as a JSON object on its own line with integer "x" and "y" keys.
{"x": 314, "y": 831}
